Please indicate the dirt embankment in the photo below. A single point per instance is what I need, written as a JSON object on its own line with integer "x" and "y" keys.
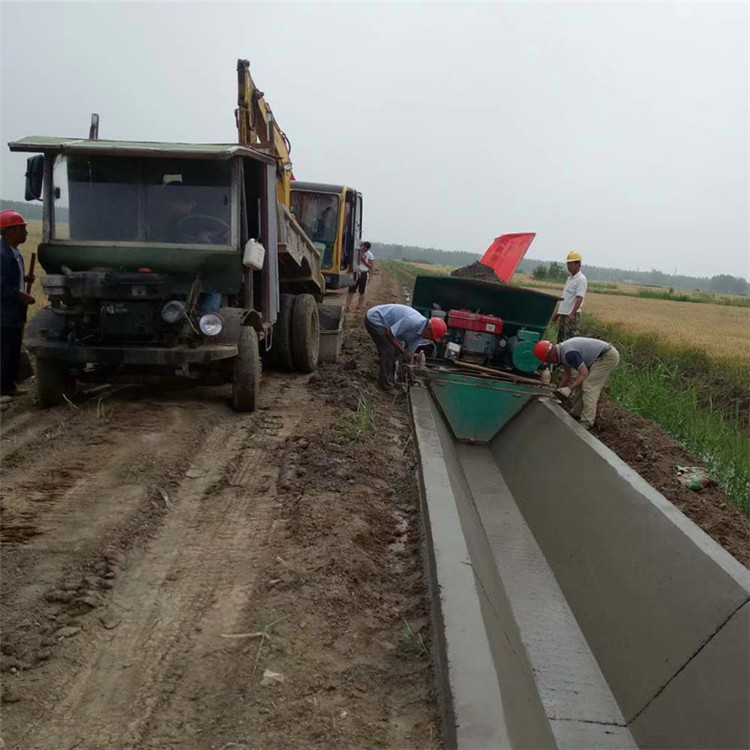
{"x": 649, "y": 450}
{"x": 162, "y": 554}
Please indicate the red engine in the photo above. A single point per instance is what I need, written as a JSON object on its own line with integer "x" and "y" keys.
{"x": 470, "y": 321}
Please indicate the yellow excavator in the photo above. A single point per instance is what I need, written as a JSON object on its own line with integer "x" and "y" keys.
{"x": 330, "y": 215}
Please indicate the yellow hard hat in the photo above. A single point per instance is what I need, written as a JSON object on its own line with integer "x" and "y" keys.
{"x": 574, "y": 256}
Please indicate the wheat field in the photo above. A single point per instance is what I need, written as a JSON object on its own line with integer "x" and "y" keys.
{"x": 721, "y": 331}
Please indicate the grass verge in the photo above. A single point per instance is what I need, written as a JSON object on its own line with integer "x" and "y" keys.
{"x": 405, "y": 272}
{"x": 701, "y": 402}
{"x": 663, "y": 293}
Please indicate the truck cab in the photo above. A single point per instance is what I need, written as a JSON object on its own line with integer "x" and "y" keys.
{"x": 331, "y": 216}
{"x": 167, "y": 257}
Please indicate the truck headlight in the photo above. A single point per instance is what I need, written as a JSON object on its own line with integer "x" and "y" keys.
{"x": 210, "y": 324}
{"x": 173, "y": 311}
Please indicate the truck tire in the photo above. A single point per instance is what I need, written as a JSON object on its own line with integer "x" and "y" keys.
{"x": 281, "y": 350}
{"x": 53, "y": 381}
{"x": 246, "y": 373}
{"x": 305, "y": 333}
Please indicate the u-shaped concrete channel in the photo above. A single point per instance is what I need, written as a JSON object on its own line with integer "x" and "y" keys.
{"x": 574, "y": 606}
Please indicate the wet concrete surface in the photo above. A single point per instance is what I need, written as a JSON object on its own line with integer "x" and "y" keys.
{"x": 607, "y": 613}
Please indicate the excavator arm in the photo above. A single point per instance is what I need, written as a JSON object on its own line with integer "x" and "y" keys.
{"x": 256, "y": 126}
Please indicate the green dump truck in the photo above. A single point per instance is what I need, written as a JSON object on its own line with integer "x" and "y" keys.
{"x": 168, "y": 258}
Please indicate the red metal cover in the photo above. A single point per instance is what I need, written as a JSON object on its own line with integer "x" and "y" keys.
{"x": 475, "y": 322}
{"x": 506, "y": 252}
{"x": 491, "y": 324}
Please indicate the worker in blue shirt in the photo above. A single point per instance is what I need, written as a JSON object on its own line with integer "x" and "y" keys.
{"x": 397, "y": 330}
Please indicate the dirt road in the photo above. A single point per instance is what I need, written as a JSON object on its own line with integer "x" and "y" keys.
{"x": 161, "y": 554}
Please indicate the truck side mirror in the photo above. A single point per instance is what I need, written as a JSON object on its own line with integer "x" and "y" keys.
{"x": 34, "y": 177}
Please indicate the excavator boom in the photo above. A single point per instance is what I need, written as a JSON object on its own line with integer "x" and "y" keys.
{"x": 257, "y": 127}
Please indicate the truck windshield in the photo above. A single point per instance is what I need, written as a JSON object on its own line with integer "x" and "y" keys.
{"x": 318, "y": 214}
{"x": 118, "y": 199}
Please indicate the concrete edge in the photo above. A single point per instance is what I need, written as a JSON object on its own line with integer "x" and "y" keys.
{"x": 470, "y": 700}
{"x": 690, "y": 529}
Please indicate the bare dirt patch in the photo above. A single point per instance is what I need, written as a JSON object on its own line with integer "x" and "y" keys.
{"x": 162, "y": 557}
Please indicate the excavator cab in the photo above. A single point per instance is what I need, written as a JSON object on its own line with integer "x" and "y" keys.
{"x": 331, "y": 216}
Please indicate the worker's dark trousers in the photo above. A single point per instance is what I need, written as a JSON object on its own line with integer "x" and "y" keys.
{"x": 386, "y": 352}
{"x": 10, "y": 355}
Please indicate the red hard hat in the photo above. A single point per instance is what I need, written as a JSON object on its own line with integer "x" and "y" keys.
{"x": 542, "y": 350}
{"x": 10, "y": 219}
{"x": 439, "y": 329}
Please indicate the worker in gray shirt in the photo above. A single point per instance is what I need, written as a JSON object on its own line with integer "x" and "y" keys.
{"x": 593, "y": 360}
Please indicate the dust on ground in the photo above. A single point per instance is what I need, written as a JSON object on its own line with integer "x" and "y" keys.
{"x": 477, "y": 272}
{"x": 648, "y": 449}
{"x": 179, "y": 576}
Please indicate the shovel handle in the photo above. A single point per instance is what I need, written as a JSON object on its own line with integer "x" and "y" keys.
{"x": 32, "y": 265}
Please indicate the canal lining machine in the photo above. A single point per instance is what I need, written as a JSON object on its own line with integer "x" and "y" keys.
{"x": 573, "y": 605}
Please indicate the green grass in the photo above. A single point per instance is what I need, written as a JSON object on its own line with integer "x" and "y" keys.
{"x": 698, "y": 401}
{"x": 407, "y": 272}
{"x": 359, "y": 425}
{"x": 705, "y": 298}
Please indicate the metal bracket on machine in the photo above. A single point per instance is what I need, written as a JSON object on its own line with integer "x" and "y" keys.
{"x": 477, "y": 408}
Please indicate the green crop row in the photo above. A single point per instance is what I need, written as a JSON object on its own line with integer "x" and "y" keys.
{"x": 700, "y": 402}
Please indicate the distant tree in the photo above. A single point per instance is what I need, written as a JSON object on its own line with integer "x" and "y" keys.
{"x": 723, "y": 284}
{"x": 557, "y": 272}
{"x": 726, "y": 284}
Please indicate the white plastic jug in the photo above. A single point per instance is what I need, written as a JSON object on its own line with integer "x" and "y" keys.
{"x": 254, "y": 255}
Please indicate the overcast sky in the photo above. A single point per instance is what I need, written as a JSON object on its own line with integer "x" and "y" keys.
{"x": 616, "y": 129}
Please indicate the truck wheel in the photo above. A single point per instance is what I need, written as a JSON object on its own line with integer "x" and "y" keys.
{"x": 281, "y": 350}
{"x": 305, "y": 333}
{"x": 53, "y": 381}
{"x": 246, "y": 374}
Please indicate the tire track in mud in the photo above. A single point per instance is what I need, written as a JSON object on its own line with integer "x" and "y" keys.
{"x": 174, "y": 523}
{"x": 193, "y": 577}
{"x": 70, "y": 506}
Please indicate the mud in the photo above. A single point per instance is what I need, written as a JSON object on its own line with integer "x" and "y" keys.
{"x": 160, "y": 553}
{"x": 477, "y": 272}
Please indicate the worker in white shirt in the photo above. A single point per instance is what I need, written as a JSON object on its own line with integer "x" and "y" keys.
{"x": 366, "y": 260}
{"x": 568, "y": 315}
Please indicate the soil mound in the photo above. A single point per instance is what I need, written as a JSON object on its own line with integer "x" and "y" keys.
{"x": 477, "y": 272}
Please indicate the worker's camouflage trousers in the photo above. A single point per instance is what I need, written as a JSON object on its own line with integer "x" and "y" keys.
{"x": 568, "y": 326}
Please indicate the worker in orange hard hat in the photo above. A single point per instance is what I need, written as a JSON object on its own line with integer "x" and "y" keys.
{"x": 568, "y": 315}
{"x": 399, "y": 330}
{"x": 13, "y": 300}
{"x": 593, "y": 360}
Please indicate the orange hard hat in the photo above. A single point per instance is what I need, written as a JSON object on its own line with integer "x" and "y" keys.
{"x": 438, "y": 327}
{"x": 10, "y": 219}
{"x": 543, "y": 349}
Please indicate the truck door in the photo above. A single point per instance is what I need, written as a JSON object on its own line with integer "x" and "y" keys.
{"x": 269, "y": 233}
{"x": 348, "y": 260}
{"x": 358, "y": 220}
